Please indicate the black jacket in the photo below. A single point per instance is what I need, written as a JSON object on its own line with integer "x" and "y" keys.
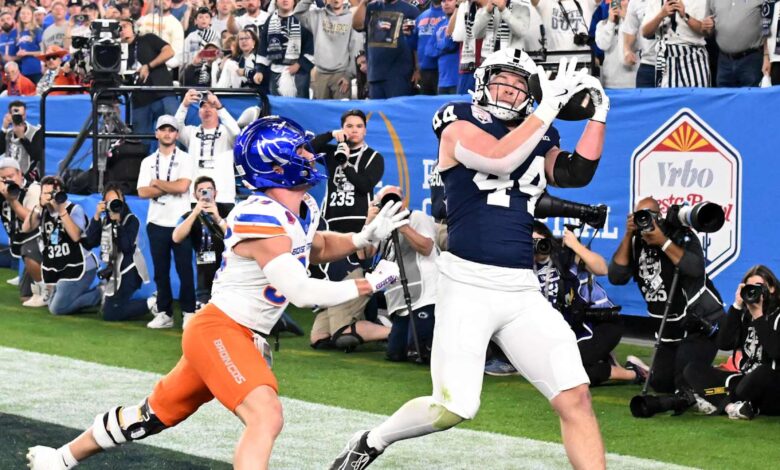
{"x": 758, "y": 340}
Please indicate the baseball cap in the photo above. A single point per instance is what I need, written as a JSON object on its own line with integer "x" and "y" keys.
{"x": 7, "y": 162}
{"x": 91, "y": 6}
{"x": 74, "y": 3}
{"x": 202, "y": 10}
{"x": 167, "y": 120}
{"x": 40, "y": 10}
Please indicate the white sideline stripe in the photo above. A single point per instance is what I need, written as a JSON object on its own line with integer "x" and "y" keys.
{"x": 70, "y": 392}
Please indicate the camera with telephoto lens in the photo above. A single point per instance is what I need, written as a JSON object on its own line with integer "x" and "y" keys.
{"x": 542, "y": 246}
{"x": 12, "y": 189}
{"x": 115, "y": 206}
{"x": 602, "y": 315}
{"x": 644, "y": 220}
{"x": 704, "y": 217}
{"x": 106, "y": 273}
{"x": 647, "y": 406}
{"x": 752, "y": 293}
{"x": 551, "y": 206}
{"x": 60, "y": 197}
{"x": 17, "y": 119}
{"x": 581, "y": 39}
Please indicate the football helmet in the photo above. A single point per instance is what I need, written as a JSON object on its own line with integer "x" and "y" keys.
{"x": 505, "y": 60}
{"x": 266, "y": 155}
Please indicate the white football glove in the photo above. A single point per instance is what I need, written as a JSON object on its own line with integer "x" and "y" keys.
{"x": 389, "y": 218}
{"x": 384, "y": 275}
{"x": 556, "y": 93}
{"x": 598, "y": 96}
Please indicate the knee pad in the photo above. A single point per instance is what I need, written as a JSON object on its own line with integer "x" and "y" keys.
{"x": 347, "y": 341}
{"x": 124, "y": 424}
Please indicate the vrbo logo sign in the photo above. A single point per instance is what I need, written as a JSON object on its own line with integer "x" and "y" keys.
{"x": 686, "y": 162}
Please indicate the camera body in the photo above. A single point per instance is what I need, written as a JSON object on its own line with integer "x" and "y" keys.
{"x": 389, "y": 197}
{"x": 106, "y": 273}
{"x": 752, "y": 293}
{"x": 581, "y": 39}
{"x": 115, "y": 206}
{"x": 542, "y": 246}
{"x": 17, "y": 119}
{"x": 12, "y": 189}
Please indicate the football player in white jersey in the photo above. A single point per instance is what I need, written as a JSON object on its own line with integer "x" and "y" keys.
{"x": 270, "y": 239}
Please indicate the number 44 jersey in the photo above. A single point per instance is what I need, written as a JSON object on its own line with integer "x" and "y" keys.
{"x": 490, "y": 218}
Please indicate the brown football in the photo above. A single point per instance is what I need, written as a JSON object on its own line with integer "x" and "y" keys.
{"x": 579, "y": 107}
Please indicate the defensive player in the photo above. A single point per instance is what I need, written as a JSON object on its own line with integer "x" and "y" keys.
{"x": 495, "y": 161}
{"x": 271, "y": 238}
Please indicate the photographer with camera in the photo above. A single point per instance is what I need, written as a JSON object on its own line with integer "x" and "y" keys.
{"x": 19, "y": 198}
{"x": 752, "y": 330}
{"x": 205, "y": 226}
{"x": 114, "y": 228}
{"x": 67, "y": 264}
{"x": 652, "y": 250}
{"x": 22, "y": 140}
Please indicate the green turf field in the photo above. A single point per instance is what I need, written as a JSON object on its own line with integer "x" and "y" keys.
{"x": 365, "y": 381}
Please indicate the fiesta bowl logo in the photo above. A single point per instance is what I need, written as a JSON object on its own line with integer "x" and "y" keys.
{"x": 686, "y": 162}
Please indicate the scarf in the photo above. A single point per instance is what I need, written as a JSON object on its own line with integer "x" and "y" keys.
{"x": 46, "y": 81}
{"x": 468, "y": 53}
{"x": 284, "y": 39}
{"x": 497, "y": 37}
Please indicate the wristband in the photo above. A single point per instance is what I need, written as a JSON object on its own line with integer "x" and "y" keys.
{"x": 666, "y": 244}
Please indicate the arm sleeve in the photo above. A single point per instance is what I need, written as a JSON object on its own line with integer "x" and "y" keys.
{"x": 481, "y": 20}
{"x": 692, "y": 262}
{"x": 729, "y": 329}
{"x": 229, "y": 122}
{"x": 127, "y": 234}
{"x": 181, "y": 116}
{"x": 619, "y": 275}
{"x": 605, "y": 35}
{"x": 320, "y": 143}
{"x": 304, "y": 14}
{"x": 144, "y": 175}
{"x": 290, "y": 278}
{"x": 367, "y": 178}
{"x": 630, "y": 24}
{"x": 92, "y": 236}
{"x": 767, "y": 329}
{"x": 518, "y": 18}
{"x": 459, "y": 32}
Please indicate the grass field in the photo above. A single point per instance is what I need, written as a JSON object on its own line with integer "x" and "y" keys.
{"x": 365, "y": 381}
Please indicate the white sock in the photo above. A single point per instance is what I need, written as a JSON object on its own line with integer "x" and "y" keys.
{"x": 417, "y": 417}
{"x": 67, "y": 457}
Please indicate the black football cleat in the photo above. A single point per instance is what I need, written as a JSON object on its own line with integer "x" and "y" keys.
{"x": 357, "y": 455}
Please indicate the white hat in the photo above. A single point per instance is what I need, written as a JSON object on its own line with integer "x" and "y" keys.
{"x": 167, "y": 120}
{"x": 7, "y": 162}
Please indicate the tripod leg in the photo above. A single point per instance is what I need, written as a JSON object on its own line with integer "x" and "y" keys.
{"x": 77, "y": 144}
{"x": 407, "y": 295}
{"x": 667, "y": 307}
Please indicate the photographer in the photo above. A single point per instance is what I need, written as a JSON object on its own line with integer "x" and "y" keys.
{"x": 752, "y": 330}
{"x": 22, "y": 140}
{"x": 354, "y": 169}
{"x": 115, "y": 230}
{"x": 19, "y": 198}
{"x": 66, "y": 264}
{"x": 651, "y": 254}
{"x": 205, "y": 226}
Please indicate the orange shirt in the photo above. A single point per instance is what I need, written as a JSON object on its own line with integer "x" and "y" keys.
{"x": 22, "y": 87}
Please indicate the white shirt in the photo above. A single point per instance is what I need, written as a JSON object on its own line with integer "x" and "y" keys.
{"x": 241, "y": 289}
{"x": 166, "y": 210}
{"x": 257, "y": 21}
{"x": 614, "y": 72}
{"x": 218, "y": 24}
{"x": 559, "y": 34}
{"x": 632, "y": 24}
{"x": 211, "y": 152}
{"x": 684, "y": 34}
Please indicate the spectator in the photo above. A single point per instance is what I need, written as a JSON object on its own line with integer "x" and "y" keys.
{"x": 210, "y": 144}
{"x": 646, "y": 76}
{"x": 21, "y": 141}
{"x": 334, "y": 46}
{"x": 28, "y": 44}
{"x": 147, "y": 56}
{"x": 113, "y": 12}
{"x": 74, "y": 8}
{"x": 66, "y": 263}
{"x": 390, "y": 46}
{"x": 7, "y": 36}
{"x": 445, "y": 50}
{"x": 287, "y": 50}
{"x": 253, "y": 19}
{"x": 178, "y": 9}
{"x": 92, "y": 11}
{"x": 54, "y": 73}
{"x": 502, "y": 23}
{"x": 115, "y": 230}
{"x": 14, "y": 210}
{"x": 224, "y": 12}
{"x": 244, "y": 69}
{"x": 679, "y": 26}
{"x": 651, "y": 257}
{"x": 38, "y": 15}
{"x": 419, "y": 255}
{"x": 361, "y": 75}
{"x": 204, "y": 68}
{"x": 168, "y": 28}
{"x": 136, "y": 9}
{"x": 164, "y": 178}
{"x": 462, "y": 32}
{"x": 567, "y": 23}
{"x": 15, "y": 83}
{"x": 54, "y": 34}
{"x": 197, "y": 39}
{"x": 614, "y": 71}
{"x": 78, "y": 26}
{"x": 770, "y": 23}
{"x": 423, "y": 35}
{"x": 737, "y": 30}
{"x": 205, "y": 226}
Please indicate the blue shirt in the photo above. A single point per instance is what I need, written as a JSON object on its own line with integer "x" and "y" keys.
{"x": 8, "y": 42}
{"x": 29, "y": 41}
{"x": 446, "y": 52}
{"x": 488, "y": 218}
{"x": 424, "y": 28}
{"x": 389, "y": 50}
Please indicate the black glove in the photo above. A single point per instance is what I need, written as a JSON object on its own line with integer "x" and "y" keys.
{"x": 342, "y": 153}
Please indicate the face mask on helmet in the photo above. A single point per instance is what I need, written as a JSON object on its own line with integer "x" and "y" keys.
{"x": 266, "y": 155}
{"x": 488, "y": 85}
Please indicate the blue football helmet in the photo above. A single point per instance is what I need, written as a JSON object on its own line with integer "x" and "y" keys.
{"x": 265, "y": 155}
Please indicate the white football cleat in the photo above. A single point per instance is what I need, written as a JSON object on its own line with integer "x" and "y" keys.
{"x": 160, "y": 320}
{"x": 44, "y": 458}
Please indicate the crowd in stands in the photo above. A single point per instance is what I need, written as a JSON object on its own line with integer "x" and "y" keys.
{"x": 335, "y": 49}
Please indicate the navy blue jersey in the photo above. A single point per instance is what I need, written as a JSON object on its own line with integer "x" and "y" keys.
{"x": 490, "y": 218}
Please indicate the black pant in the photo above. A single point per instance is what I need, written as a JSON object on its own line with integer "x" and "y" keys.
{"x": 761, "y": 386}
{"x": 429, "y": 82}
{"x": 672, "y": 358}
{"x": 160, "y": 245}
{"x": 774, "y": 73}
{"x": 595, "y": 351}
{"x": 206, "y": 273}
{"x": 119, "y": 306}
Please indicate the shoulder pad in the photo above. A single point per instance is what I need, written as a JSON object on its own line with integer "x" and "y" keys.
{"x": 459, "y": 111}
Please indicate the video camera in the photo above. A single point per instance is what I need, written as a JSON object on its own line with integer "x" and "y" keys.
{"x": 704, "y": 217}
{"x": 99, "y": 56}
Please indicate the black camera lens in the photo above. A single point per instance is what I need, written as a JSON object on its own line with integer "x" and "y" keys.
{"x": 542, "y": 246}
{"x": 581, "y": 39}
{"x": 17, "y": 119}
{"x": 115, "y": 206}
{"x": 12, "y": 189}
{"x": 752, "y": 293}
{"x": 60, "y": 197}
{"x": 644, "y": 220}
{"x": 389, "y": 197}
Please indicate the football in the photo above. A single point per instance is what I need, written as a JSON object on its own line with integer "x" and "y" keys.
{"x": 579, "y": 107}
